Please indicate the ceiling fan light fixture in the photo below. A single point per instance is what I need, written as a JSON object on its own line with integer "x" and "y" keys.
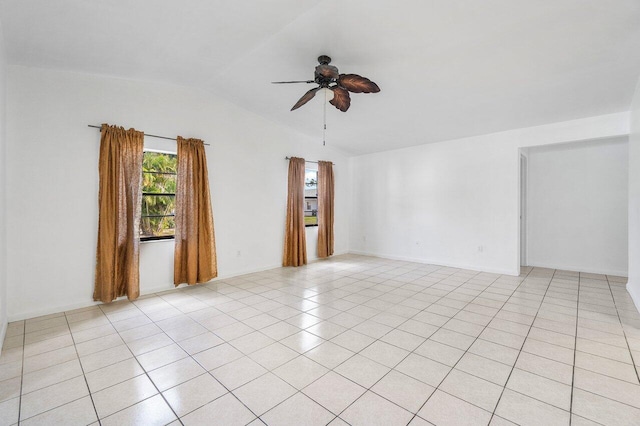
{"x": 328, "y": 94}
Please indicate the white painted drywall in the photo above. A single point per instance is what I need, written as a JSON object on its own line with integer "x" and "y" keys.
{"x": 3, "y": 191}
{"x": 577, "y": 206}
{"x": 633, "y": 285}
{"x": 455, "y": 202}
{"x": 52, "y": 181}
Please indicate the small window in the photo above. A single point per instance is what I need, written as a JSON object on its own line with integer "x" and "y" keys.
{"x": 311, "y": 197}
{"x": 159, "y": 172}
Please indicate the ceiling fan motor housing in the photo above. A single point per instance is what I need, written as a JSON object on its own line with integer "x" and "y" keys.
{"x": 325, "y": 74}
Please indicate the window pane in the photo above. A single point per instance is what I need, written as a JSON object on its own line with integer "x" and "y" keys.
{"x": 311, "y": 210}
{"x": 159, "y": 162}
{"x": 310, "y": 197}
{"x": 310, "y": 183}
{"x": 310, "y": 220}
{"x": 157, "y": 226}
{"x": 157, "y": 183}
{"x": 159, "y": 172}
{"x": 154, "y": 205}
{"x": 158, "y": 199}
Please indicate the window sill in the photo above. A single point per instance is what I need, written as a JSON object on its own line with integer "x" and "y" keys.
{"x": 156, "y": 239}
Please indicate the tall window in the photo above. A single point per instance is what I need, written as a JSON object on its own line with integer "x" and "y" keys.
{"x": 159, "y": 171}
{"x": 310, "y": 197}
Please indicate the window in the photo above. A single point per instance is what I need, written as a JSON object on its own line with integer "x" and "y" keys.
{"x": 159, "y": 171}
{"x": 310, "y": 197}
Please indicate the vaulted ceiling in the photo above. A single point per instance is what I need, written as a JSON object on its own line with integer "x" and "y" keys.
{"x": 447, "y": 68}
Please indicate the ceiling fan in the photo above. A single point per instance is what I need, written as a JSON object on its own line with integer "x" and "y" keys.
{"x": 327, "y": 77}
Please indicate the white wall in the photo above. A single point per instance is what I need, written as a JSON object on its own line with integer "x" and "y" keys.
{"x": 52, "y": 181}
{"x": 633, "y": 286}
{"x": 3, "y": 191}
{"x": 455, "y": 202}
{"x": 577, "y": 206}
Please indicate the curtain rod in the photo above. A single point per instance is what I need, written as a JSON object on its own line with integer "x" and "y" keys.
{"x": 306, "y": 161}
{"x": 146, "y": 134}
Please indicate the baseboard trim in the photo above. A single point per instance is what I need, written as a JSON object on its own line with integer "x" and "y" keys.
{"x": 48, "y": 311}
{"x": 3, "y": 333}
{"x": 616, "y": 273}
{"x": 145, "y": 292}
{"x": 500, "y": 271}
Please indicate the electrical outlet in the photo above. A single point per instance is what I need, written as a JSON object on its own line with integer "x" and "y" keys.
{"x": 480, "y": 249}
{"x": 239, "y": 253}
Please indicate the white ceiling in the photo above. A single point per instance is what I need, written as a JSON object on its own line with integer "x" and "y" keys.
{"x": 447, "y": 68}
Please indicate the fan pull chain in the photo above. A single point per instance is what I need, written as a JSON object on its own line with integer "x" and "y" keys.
{"x": 324, "y": 130}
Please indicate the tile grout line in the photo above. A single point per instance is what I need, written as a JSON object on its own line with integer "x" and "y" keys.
{"x": 412, "y": 351}
{"x": 146, "y": 373}
{"x": 229, "y": 391}
{"x": 436, "y": 302}
{"x": 84, "y": 376}
{"x": 623, "y": 330}
{"x": 375, "y": 340}
{"x": 467, "y": 350}
{"x": 493, "y": 414}
{"x": 575, "y": 350}
{"x": 461, "y": 283}
{"x": 409, "y": 352}
{"x": 436, "y": 388}
{"x": 227, "y": 342}
{"x": 355, "y": 353}
{"x": 53, "y": 384}
{"x": 24, "y": 340}
{"x": 541, "y": 356}
{"x": 390, "y": 290}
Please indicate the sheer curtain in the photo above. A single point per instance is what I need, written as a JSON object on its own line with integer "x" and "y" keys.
{"x": 195, "y": 251}
{"x": 119, "y": 198}
{"x": 325, "y": 208}
{"x": 295, "y": 245}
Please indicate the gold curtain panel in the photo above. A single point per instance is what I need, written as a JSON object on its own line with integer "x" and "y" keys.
{"x": 195, "y": 251}
{"x": 295, "y": 244}
{"x": 119, "y": 198}
{"x": 325, "y": 208}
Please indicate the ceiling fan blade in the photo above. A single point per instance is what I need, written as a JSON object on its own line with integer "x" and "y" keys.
{"x": 289, "y": 82}
{"x": 305, "y": 98}
{"x": 357, "y": 84}
{"x": 341, "y": 98}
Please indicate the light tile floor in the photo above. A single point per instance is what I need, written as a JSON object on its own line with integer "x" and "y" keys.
{"x": 352, "y": 340}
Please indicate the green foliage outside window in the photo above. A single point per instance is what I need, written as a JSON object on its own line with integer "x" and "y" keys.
{"x": 158, "y": 199}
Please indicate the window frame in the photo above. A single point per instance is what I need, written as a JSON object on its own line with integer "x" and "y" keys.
{"x": 157, "y": 237}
